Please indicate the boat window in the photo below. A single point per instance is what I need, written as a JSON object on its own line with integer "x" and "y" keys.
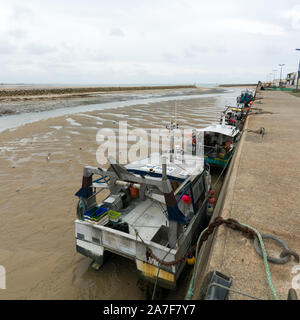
{"x": 198, "y": 192}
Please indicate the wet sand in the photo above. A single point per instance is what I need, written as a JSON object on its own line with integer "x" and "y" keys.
{"x": 38, "y": 206}
{"x": 16, "y": 104}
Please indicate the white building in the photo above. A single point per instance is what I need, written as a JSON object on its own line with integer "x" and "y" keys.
{"x": 291, "y": 79}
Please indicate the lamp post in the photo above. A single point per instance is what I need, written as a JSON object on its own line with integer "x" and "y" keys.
{"x": 298, "y": 73}
{"x": 280, "y": 65}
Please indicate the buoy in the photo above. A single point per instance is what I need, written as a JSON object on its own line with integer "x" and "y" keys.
{"x": 190, "y": 260}
{"x": 210, "y": 209}
{"x": 211, "y": 203}
{"x": 186, "y": 199}
{"x": 134, "y": 192}
{"x": 211, "y": 200}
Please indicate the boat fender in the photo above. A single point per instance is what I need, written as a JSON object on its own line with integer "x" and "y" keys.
{"x": 212, "y": 201}
{"x": 81, "y": 208}
{"x": 190, "y": 260}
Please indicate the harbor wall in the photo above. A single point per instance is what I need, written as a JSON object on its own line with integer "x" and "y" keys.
{"x": 205, "y": 251}
{"x": 261, "y": 190}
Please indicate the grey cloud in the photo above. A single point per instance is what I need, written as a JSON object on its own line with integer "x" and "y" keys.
{"x": 17, "y": 33}
{"x": 194, "y": 51}
{"x": 6, "y": 47}
{"x": 116, "y": 32}
{"x": 38, "y": 48}
{"x": 22, "y": 13}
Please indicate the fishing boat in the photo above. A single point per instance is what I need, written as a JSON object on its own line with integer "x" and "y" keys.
{"x": 246, "y": 96}
{"x": 153, "y": 214}
{"x": 220, "y": 140}
{"x": 235, "y": 116}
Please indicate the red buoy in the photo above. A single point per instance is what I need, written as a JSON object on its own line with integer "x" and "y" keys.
{"x": 186, "y": 199}
{"x": 211, "y": 200}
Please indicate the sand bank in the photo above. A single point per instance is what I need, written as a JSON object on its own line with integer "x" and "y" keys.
{"x": 38, "y": 206}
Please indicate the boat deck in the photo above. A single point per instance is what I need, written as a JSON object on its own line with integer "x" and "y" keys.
{"x": 146, "y": 218}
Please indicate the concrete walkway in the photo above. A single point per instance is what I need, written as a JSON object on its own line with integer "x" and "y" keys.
{"x": 263, "y": 192}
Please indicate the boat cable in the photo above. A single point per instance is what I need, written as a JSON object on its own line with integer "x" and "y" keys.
{"x": 233, "y": 290}
{"x": 218, "y": 221}
{"x": 161, "y": 262}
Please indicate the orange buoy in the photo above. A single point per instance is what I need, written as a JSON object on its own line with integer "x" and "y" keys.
{"x": 134, "y": 192}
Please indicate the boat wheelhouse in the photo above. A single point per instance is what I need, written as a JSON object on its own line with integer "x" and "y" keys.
{"x": 219, "y": 143}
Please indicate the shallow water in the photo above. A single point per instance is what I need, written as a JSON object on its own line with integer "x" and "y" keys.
{"x": 13, "y": 121}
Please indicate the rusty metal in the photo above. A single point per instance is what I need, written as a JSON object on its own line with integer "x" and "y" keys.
{"x": 230, "y": 223}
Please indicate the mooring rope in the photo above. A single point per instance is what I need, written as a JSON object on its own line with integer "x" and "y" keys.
{"x": 267, "y": 269}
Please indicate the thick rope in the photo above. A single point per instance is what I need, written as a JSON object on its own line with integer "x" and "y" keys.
{"x": 267, "y": 269}
{"x": 265, "y": 256}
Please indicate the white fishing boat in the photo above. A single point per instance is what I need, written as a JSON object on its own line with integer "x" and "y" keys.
{"x": 220, "y": 140}
{"x": 246, "y": 96}
{"x": 155, "y": 210}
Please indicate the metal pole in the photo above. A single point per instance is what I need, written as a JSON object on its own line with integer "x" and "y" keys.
{"x": 297, "y": 49}
{"x": 280, "y": 65}
{"x": 298, "y": 76}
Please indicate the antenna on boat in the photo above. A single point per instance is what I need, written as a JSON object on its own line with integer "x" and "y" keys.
{"x": 223, "y": 119}
{"x": 175, "y": 114}
{"x": 164, "y": 168}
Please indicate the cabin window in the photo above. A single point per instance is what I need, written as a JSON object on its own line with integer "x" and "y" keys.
{"x": 198, "y": 193}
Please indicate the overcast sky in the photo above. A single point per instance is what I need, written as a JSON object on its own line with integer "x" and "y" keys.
{"x": 147, "y": 41}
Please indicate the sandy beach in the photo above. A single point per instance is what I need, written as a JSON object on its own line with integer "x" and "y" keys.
{"x": 38, "y": 206}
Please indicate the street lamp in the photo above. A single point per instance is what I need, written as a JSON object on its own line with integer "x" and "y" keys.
{"x": 298, "y": 72}
{"x": 280, "y": 65}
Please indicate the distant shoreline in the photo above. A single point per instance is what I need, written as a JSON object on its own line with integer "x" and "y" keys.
{"x": 41, "y": 91}
{"x": 238, "y": 85}
{"x": 25, "y": 101}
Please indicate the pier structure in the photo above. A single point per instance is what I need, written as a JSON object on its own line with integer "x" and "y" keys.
{"x": 261, "y": 190}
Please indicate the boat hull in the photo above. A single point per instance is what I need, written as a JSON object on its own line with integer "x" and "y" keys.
{"x": 94, "y": 240}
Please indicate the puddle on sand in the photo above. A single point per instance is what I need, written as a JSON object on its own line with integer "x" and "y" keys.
{"x": 73, "y": 122}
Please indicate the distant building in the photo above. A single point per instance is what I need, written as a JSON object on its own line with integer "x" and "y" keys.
{"x": 291, "y": 79}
